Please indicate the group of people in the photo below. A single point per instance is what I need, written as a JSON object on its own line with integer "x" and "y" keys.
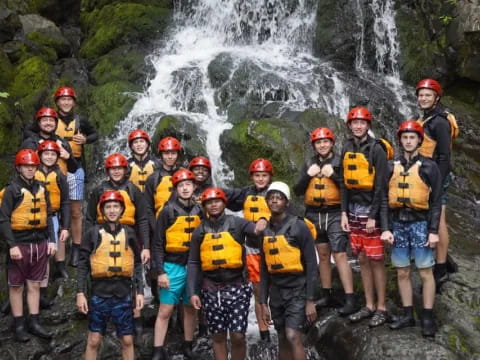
{"x": 206, "y": 262}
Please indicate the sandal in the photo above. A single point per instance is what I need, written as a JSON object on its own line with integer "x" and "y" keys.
{"x": 363, "y": 313}
{"x": 379, "y": 318}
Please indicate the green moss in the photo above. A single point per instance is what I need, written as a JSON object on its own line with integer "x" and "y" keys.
{"x": 119, "y": 24}
{"x": 122, "y": 64}
{"x": 51, "y": 44}
{"x": 89, "y": 5}
{"x": 111, "y": 103}
{"x": 6, "y": 71}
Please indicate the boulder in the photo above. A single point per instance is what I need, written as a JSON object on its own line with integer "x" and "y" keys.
{"x": 9, "y": 24}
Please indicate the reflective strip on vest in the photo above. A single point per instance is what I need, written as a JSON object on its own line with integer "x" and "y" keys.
{"x": 139, "y": 175}
{"x": 255, "y": 207}
{"x": 280, "y": 256}
{"x": 50, "y": 182}
{"x": 179, "y": 234}
{"x": 220, "y": 251}
{"x": 356, "y": 171}
{"x": 31, "y": 213}
{"x": 128, "y": 216}
{"x": 113, "y": 257}
{"x": 406, "y": 188}
{"x": 322, "y": 191}
{"x": 162, "y": 193}
{"x": 67, "y": 132}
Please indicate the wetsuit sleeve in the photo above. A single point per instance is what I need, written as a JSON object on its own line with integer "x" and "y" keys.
{"x": 87, "y": 129}
{"x": 64, "y": 201}
{"x": 432, "y": 173}
{"x": 307, "y": 247}
{"x": 236, "y": 197}
{"x": 30, "y": 142}
{"x": 138, "y": 269}
{"x": 247, "y": 227}
{"x": 264, "y": 279}
{"x": 158, "y": 245}
{"x": 141, "y": 216}
{"x": 443, "y": 147}
{"x": 6, "y": 209}
{"x": 149, "y": 198}
{"x": 91, "y": 216}
{"x": 83, "y": 267}
{"x": 389, "y": 212}
{"x": 302, "y": 183}
{"x": 194, "y": 271}
{"x": 379, "y": 186}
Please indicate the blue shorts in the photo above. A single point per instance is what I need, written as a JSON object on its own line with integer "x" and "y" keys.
{"x": 445, "y": 185}
{"x": 410, "y": 243}
{"x": 177, "y": 275}
{"x": 119, "y": 309}
{"x": 76, "y": 184}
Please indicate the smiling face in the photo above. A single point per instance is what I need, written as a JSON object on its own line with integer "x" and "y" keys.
{"x": 65, "y": 104}
{"x": 112, "y": 210}
{"x": 202, "y": 174}
{"x": 323, "y": 147}
{"x": 214, "y": 207}
{"x": 117, "y": 173}
{"x": 48, "y": 157}
{"x": 261, "y": 179}
{"x": 47, "y": 124}
{"x": 359, "y": 127}
{"x": 427, "y": 99}
{"x": 169, "y": 158}
{"x": 139, "y": 146}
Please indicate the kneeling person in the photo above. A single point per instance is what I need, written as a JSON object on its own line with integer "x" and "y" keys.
{"x": 175, "y": 225}
{"x": 110, "y": 255}
{"x": 288, "y": 273}
{"x": 414, "y": 199}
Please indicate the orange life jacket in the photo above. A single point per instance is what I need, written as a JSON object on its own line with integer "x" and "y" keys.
{"x": 406, "y": 188}
{"x": 322, "y": 191}
{"x": 31, "y": 212}
{"x": 255, "y": 207}
{"x": 179, "y": 234}
{"x": 67, "y": 131}
{"x": 139, "y": 175}
{"x": 50, "y": 181}
{"x": 429, "y": 144}
{"x": 162, "y": 193}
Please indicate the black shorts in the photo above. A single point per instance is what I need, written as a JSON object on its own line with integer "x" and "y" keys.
{"x": 287, "y": 307}
{"x": 329, "y": 230}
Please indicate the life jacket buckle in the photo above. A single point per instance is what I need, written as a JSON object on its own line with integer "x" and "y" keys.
{"x": 254, "y": 209}
{"x": 115, "y": 254}
{"x": 217, "y": 247}
{"x": 114, "y": 268}
{"x": 219, "y": 262}
{"x": 319, "y": 186}
{"x": 35, "y": 210}
{"x": 352, "y": 167}
{"x": 273, "y": 251}
{"x": 403, "y": 185}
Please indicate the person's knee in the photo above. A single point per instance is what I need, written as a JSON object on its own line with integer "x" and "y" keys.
{"x": 293, "y": 337}
{"x": 127, "y": 341}
{"x": 219, "y": 338}
{"x": 363, "y": 259}
{"x": 237, "y": 339}
{"x": 76, "y": 209}
{"x": 165, "y": 312}
{"x": 403, "y": 273}
{"x": 94, "y": 340}
{"x": 426, "y": 274}
{"x": 340, "y": 257}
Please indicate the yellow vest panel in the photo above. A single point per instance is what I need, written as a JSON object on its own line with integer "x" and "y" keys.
{"x": 31, "y": 213}
{"x": 139, "y": 175}
{"x": 406, "y": 188}
{"x": 322, "y": 191}
{"x": 356, "y": 171}
{"x": 162, "y": 193}
{"x": 66, "y": 132}
{"x": 220, "y": 251}
{"x": 280, "y": 256}
{"x": 179, "y": 234}
{"x": 51, "y": 183}
{"x": 255, "y": 207}
{"x": 113, "y": 257}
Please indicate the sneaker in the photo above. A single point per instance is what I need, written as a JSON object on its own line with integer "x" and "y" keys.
{"x": 379, "y": 318}
{"x": 363, "y": 313}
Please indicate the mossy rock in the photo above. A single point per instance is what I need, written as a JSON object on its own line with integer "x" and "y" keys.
{"x": 120, "y": 64}
{"x": 90, "y": 5}
{"x": 6, "y": 174}
{"x": 111, "y": 102}
{"x": 6, "y": 70}
{"x": 280, "y": 141}
{"x": 119, "y": 24}
{"x": 60, "y": 46}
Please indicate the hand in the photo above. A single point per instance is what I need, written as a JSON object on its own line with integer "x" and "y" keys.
{"x": 370, "y": 227}
{"x": 310, "y": 311}
{"x": 139, "y": 302}
{"x": 387, "y": 236}
{"x": 432, "y": 240}
{"x": 145, "y": 255}
{"x": 64, "y": 154}
{"x": 327, "y": 170}
{"x": 313, "y": 170}
{"x": 163, "y": 281}
{"x": 15, "y": 253}
{"x": 196, "y": 302}
{"x": 79, "y": 139}
{"x": 260, "y": 226}
{"x": 266, "y": 316}
{"x": 344, "y": 222}
{"x": 82, "y": 303}
{"x": 63, "y": 235}
{"x": 52, "y": 248}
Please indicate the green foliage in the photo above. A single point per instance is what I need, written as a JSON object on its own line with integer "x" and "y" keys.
{"x": 121, "y": 64}
{"x": 446, "y": 19}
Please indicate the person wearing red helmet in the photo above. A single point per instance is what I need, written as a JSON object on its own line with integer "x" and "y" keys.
{"x": 251, "y": 199}
{"x": 142, "y": 164}
{"x": 215, "y": 274}
{"x": 170, "y": 245}
{"x": 202, "y": 169}
{"x": 27, "y": 228}
{"x": 158, "y": 188}
{"x": 319, "y": 183}
{"x": 414, "y": 199}
{"x": 440, "y": 130}
{"x": 110, "y": 286}
{"x": 77, "y": 130}
{"x": 363, "y": 170}
{"x": 50, "y": 176}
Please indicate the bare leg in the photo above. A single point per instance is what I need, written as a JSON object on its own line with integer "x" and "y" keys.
{"x": 127, "y": 347}
{"x": 60, "y": 254}
{"x": 93, "y": 342}
{"x": 188, "y": 322}
{"x": 76, "y": 220}
{"x": 15, "y": 294}
{"x": 444, "y": 240}
{"x": 239, "y": 346}
{"x": 33, "y": 297}
{"x": 294, "y": 338}
{"x": 344, "y": 271}
{"x": 405, "y": 285}
{"x": 284, "y": 346}
{"x": 380, "y": 281}
{"x": 161, "y": 324}
{"x": 428, "y": 287}
{"x": 367, "y": 280}
{"x": 324, "y": 266}
{"x": 258, "y": 308}
{"x": 220, "y": 346}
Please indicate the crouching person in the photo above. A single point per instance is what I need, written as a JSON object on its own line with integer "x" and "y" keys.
{"x": 110, "y": 256}
{"x": 288, "y": 274}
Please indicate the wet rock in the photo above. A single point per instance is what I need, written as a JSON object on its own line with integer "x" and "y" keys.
{"x": 9, "y": 24}
{"x": 219, "y": 69}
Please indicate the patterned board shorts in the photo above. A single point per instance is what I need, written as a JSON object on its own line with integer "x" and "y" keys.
{"x": 227, "y": 308}
{"x": 361, "y": 241}
{"x": 410, "y": 240}
{"x": 76, "y": 184}
{"x": 119, "y": 309}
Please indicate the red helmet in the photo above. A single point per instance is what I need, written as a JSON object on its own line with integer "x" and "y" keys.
{"x": 65, "y": 91}
{"x": 411, "y": 126}
{"x": 26, "y": 157}
{"x": 116, "y": 160}
{"x": 169, "y": 144}
{"x": 359, "y": 113}
{"x": 200, "y": 161}
{"x": 213, "y": 193}
{"x": 46, "y": 112}
{"x": 138, "y": 134}
{"x": 261, "y": 165}
{"x": 48, "y": 145}
{"x": 111, "y": 195}
{"x": 322, "y": 133}
{"x": 181, "y": 175}
{"x": 430, "y": 84}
